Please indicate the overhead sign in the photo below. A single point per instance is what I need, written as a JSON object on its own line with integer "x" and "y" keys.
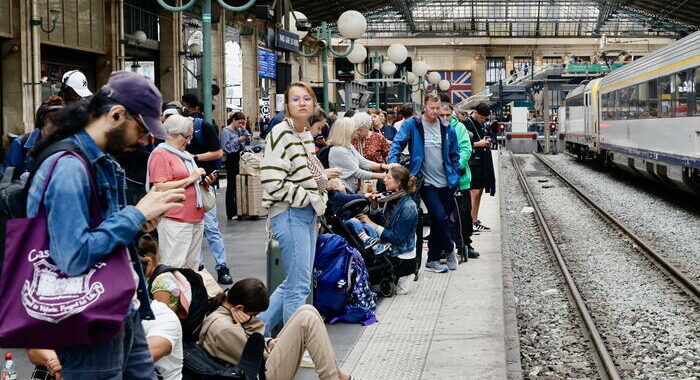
{"x": 286, "y": 40}
{"x": 267, "y": 63}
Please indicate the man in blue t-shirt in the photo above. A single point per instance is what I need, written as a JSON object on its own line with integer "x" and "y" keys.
{"x": 434, "y": 157}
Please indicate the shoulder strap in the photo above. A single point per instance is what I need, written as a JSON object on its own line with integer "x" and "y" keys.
{"x": 199, "y": 131}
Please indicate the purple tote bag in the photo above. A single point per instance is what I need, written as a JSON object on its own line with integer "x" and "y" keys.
{"x": 42, "y": 307}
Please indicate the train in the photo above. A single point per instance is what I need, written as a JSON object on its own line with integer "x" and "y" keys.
{"x": 643, "y": 118}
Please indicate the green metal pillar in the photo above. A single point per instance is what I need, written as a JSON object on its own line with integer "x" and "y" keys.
{"x": 206, "y": 59}
{"x": 324, "y": 63}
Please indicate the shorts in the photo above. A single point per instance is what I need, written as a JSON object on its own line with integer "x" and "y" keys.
{"x": 478, "y": 174}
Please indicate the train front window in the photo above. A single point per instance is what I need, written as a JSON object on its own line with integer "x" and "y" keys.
{"x": 666, "y": 92}
{"x": 683, "y": 84}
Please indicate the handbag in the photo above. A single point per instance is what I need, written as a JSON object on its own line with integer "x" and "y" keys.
{"x": 312, "y": 162}
{"x": 208, "y": 199}
{"x": 43, "y": 307}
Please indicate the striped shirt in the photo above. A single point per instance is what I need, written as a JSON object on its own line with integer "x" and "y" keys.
{"x": 284, "y": 172}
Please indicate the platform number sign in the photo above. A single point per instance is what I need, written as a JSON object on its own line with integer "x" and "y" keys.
{"x": 460, "y": 84}
{"x": 265, "y": 107}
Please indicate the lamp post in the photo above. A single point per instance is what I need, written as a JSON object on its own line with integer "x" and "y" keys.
{"x": 351, "y": 25}
{"x": 206, "y": 41}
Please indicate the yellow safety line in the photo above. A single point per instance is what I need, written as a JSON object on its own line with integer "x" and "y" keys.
{"x": 681, "y": 63}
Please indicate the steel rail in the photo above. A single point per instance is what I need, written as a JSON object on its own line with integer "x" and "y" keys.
{"x": 672, "y": 271}
{"x": 601, "y": 352}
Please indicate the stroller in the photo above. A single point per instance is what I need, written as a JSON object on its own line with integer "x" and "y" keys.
{"x": 379, "y": 268}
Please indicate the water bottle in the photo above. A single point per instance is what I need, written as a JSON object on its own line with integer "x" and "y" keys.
{"x": 8, "y": 370}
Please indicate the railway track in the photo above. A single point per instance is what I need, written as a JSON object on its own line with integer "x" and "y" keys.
{"x": 607, "y": 366}
{"x": 674, "y": 272}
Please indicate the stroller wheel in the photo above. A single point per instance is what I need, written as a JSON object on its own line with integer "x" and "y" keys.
{"x": 387, "y": 287}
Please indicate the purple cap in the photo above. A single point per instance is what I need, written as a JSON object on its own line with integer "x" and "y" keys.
{"x": 140, "y": 96}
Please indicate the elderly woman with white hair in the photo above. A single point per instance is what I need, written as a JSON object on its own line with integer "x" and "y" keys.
{"x": 344, "y": 156}
{"x": 371, "y": 145}
{"x": 170, "y": 166}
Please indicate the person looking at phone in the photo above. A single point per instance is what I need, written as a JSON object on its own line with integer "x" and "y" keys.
{"x": 170, "y": 166}
{"x": 481, "y": 164}
{"x": 120, "y": 115}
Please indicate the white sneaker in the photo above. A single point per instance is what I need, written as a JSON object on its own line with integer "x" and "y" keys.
{"x": 404, "y": 284}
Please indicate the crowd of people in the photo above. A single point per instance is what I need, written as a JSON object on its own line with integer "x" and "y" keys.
{"x": 154, "y": 167}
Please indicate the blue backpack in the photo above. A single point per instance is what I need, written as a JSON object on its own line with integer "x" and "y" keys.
{"x": 341, "y": 282}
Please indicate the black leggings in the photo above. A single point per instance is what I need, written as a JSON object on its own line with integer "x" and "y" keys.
{"x": 232, "y": 170}
{"x": 403, "y": 267}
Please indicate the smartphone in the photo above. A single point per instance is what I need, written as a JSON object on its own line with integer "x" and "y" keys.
{"x": 215, "y": 172}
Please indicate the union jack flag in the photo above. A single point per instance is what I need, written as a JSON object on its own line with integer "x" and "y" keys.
{"x": 460, "y": 84}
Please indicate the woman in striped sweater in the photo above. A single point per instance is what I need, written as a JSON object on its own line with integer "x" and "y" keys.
{"x": 294, "y": 184}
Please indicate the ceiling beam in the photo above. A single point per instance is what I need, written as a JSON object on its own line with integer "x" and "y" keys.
{"x": 406, "y": 13}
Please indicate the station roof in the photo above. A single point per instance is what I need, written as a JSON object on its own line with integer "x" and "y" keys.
{"x": 513, "y": 18}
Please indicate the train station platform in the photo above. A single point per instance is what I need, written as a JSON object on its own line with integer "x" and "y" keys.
{"x": 449, "y": 326}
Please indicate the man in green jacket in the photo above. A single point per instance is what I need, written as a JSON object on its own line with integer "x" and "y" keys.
{"x": 462, "y": 195}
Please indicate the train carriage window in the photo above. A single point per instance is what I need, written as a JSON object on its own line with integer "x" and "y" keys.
{"x": 653, "y": 98}
{"x": 624, "y": 103}
{"x": 697, "y": 90}
{"x": 614, "y": 105}
{"x": 666, "y": 95}
{"x": 683, "y": 85}
{"x": 634, "y": 108}
{"x": 604, "y": 110}
{"x": 643, "y": 100}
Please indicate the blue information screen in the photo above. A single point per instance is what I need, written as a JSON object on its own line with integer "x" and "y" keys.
{"x": 267, "y": 63}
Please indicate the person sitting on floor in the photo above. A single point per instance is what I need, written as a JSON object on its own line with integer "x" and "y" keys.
{"x": 226, "y": 330}
{"x": 166, "y": 287}
{"x": 396, "y": 224}
{"x": 339, "y": 197}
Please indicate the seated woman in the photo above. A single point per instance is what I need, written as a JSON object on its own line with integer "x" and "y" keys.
{"x": 168, "y": 287}
{"x": 226, "y": 330}
{"x": 399, "y": 218}
{"x": 354, "y": 168}
{"x": 339, "y": 197}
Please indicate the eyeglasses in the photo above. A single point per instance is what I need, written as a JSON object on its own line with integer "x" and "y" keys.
{"x": 187, "y": 137}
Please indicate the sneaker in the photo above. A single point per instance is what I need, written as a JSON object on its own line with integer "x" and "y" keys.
{"x": 371, "y": 242}
{"x": 478, "y": 227}
{"x": 404, "y": 284}
{"x": 435, "y": 266}
{"x": 451, "y": 261}
{"x": 224, "y": 276}
{"x": 473, "y": 254}
{"x": 381, "y": 248}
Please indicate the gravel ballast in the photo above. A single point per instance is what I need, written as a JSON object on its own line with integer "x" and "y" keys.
{"x": 651, "y": 327}
{"x": 671, "y": 228}
{"x": 551, "y": 341}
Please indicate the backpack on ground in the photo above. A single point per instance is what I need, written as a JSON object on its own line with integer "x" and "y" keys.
{"x": 198, "y": 306}
{"x": 341, "y": 282}
{"x": 14, "y": 193}
{"x": 198, "y": 364}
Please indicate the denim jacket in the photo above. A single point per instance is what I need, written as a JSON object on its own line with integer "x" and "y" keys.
{"x": 400, "y": 226}
{"x": 74, "y": 245}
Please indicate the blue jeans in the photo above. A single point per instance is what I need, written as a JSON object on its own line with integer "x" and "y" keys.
{"x": 214, "y": 238}
{"x": 124, "y": 357}
{"x": 358, "y": 227}
{"x": 440, "y": 202}
{"x": 295, "y": 230}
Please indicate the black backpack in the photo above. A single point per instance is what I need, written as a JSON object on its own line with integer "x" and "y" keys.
{"x": 14, "y": 193}
{"x": 322, "y": 156}
{"x": 199, "y": 365}
{"x": 198, "y": 306}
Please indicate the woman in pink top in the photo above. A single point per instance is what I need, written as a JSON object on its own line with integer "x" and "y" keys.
{"x": 170, "y": 167}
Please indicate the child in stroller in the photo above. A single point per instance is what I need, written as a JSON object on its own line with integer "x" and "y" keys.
{"x": 339, "y": 197}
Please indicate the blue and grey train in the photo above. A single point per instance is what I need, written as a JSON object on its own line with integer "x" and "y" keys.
{"x": 643, "y": 117}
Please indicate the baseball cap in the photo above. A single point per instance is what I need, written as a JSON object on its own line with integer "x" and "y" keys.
{"x": 77, "y": 81}
{"x": 140, "y": 96}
